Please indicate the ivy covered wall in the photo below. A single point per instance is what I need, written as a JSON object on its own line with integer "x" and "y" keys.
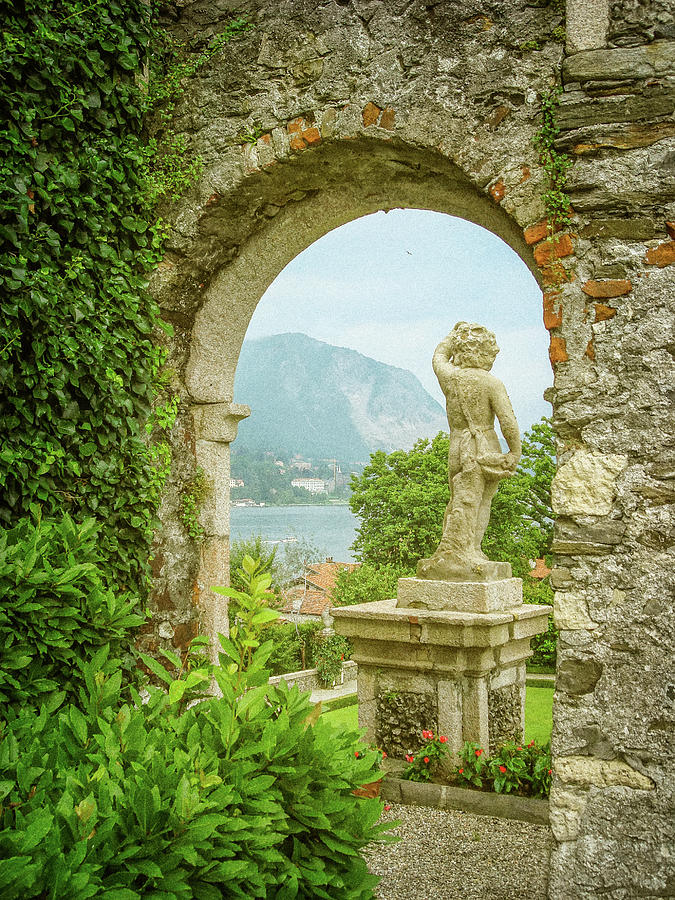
{"x": 77, "y": 361}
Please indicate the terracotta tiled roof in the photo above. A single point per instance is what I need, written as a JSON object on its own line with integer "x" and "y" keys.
{"x": 313, "y": 594}
{"x": 314, "y": 603}
{"x": 322, "y": 576}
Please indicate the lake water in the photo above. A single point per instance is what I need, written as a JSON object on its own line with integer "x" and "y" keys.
{"x": 330, "y": 528}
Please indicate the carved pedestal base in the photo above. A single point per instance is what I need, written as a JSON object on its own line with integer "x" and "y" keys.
{"x": 462, "y": 596}
{"x": 457, "y": 672}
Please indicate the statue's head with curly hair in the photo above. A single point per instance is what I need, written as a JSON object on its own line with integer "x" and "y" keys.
{"x": 472, "y": 346}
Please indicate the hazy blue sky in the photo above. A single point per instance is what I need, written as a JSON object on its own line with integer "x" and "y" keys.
{"x": 392, "y": 285}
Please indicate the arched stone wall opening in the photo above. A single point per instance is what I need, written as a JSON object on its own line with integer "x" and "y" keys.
{"x": 306, "y": 199}
{"x": 451, "y": 93}
{"x": 302, "y": 200}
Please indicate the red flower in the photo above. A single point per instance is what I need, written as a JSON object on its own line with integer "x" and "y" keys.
{"x": 427, "y": 735}
{"x": 426, "y": 759}
{"x": 384, "y": 755}
{"x": 479, "y": 752}
{"x": 387, "y": 808}
{"x": 531, "y": 744}
{"x": 342, "y": 656}
{"x": 502, "y": 769}
{"x": 443, "y": 739}
{"x": 550, "y": 771}
{"x": 519, "y": 748}
{"x": 460, "y": 771}
{"x": 357, "y": 754}
{"x": 409, "y": 758}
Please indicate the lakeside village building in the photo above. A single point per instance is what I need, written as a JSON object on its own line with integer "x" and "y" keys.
{"x": 310, "y": 598}
{"x": 313, "y": 485}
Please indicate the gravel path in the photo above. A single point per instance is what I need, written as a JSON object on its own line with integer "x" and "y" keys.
{"x": 450, "y": 854}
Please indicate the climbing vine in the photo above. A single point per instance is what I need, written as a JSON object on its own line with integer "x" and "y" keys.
{"x": 194, "y": 494}
{"x": 79, "y": 179}
{"x": 555, "y": 164}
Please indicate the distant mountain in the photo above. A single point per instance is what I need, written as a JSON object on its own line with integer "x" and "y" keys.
{"x": 318, "y": 400}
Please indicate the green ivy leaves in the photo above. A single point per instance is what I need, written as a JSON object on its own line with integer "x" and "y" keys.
{"x": 76, "y": 242}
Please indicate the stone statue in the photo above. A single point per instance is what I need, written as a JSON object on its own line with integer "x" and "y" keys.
{"x": 462, "y": 363}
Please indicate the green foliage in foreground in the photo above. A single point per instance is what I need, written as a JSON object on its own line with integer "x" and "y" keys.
{"x": 55, "y": 609}
{"x": 239, "y": 796}
{"x": 79, "y": 363}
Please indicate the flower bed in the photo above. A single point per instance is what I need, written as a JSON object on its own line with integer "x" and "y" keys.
{"x": 514, "y": 769}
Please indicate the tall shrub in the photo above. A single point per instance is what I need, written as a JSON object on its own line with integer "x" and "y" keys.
{"x": 246, "y": 795}
{"x": 55, "y": 609}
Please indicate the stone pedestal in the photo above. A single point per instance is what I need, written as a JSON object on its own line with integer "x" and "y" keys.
{"x": 462, "y": 596}
{"x": 457, "y": 670}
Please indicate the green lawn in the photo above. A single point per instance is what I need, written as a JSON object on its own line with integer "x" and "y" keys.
{"x": 538, "y": 715}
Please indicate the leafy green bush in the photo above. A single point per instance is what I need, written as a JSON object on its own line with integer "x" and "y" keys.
{"x": 245, "y": 795}
{"x": 331, "y": 651}
{"x": 294, "y": 646}
{"x": 431, "y": 754}
{"x": 55, "y": 609}
{"x": 401, "y": 498}
{"x": 79, "y": 364}
{"x": 544, "y": 645}
{"x": 255, "y": 547}
{"x": 76, "y": 241}
{"x": 366, "y": 583}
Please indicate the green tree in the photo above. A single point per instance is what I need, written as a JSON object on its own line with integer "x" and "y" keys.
{"x": 291, "y": 563}
{"x": 401, "y": 499}
{"x": 521, "y": 524}
{"x": 366, "y": 584}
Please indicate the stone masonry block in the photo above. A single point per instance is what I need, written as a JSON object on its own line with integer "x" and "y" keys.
{"x": 475, "y": 711}
{"x": 503, "y": 678}
{"x": 514, "y": 651}
{"x": 585, "y": 483}
{"x": 565, "y": 811}
{"x": 531, "y": 619}
{"x": 214, "y": 458}
{"x": 218, "y": 421}
{"x": 587, "y": 22}
{"x": 587, "y": 770}
{"x": 450, "y": 713}
{"x": 489, "y": 596}
{"x": 571, "y": 612}
{"x": 653, "y": 60}
{"x": 367, "y": 684}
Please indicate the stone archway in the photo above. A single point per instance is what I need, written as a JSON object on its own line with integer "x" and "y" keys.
{"x": 303, "y": 200}
{"x": 329, "y": 110}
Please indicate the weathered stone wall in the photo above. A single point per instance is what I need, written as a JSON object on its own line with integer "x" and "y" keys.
{"x": 329, "y": 110}
{"x": 614, "y": 717}
{"x": 401, "y": 718}
{"x": 505, "y": 710}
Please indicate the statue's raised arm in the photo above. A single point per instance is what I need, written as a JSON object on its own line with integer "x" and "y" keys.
{"x": 476, "y": 464}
